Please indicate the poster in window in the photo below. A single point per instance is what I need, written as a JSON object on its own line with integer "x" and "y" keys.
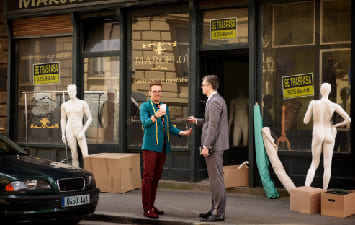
{"x": 300, "y": 85}
{"x": 223, "y": 28}
{"x": 46, "y": 73}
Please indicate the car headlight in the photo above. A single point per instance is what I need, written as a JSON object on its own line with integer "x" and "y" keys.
{"x": 28, "y": 185}
{"x": 90, "y": 180}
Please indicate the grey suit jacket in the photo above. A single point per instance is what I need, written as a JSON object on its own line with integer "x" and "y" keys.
{"x": 215, "y": 124}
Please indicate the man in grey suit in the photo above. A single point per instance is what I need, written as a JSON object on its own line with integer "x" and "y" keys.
{"x": 214, "y": 141}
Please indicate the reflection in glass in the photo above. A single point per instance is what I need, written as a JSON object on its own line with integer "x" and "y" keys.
{"x": 41, "y": 122}
{"x": 160, "y": 51}
{"x": 101, "y": 90}
{"x": 294, "y": 52}
{"x": 335, "y": 21}
{"x": 102, "y": 36}
{"x": 293, "y": 24}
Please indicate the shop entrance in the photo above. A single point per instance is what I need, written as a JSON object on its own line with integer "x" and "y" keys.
{"x": 232, "y": 68}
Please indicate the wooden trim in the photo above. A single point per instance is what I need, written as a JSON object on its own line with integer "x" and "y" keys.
{"x": 42, "y": 25}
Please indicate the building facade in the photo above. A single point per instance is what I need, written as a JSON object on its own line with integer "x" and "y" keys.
{"x": 274, "y": 52}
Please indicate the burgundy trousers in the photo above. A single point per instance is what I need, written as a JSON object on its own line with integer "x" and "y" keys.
{"x": 153, "y": 163}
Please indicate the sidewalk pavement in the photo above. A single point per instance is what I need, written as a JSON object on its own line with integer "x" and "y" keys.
{"x": 183, "y": 201}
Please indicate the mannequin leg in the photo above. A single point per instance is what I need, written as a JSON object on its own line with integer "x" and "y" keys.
{"x": 316, "y": 151}
{"x": 83, "y": 147}
{"x": 327, "y": 164}
{"x": 237, "y": 132}
{"x": 245, "y": 135}
{"x": 73, "y": 146}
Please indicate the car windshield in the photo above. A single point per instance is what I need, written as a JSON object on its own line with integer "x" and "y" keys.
{"x": 9, "y": 147}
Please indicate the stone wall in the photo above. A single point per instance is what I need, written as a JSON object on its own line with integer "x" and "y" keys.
{"x": 3, "y": 70}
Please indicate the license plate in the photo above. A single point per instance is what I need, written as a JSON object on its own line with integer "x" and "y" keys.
{"x": 75, "y": 200}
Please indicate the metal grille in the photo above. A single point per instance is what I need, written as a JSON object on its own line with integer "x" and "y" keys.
{"x": 71, "y": 184}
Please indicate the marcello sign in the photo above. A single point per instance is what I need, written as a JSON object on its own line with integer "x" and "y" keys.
{"x": 33, "y": 4}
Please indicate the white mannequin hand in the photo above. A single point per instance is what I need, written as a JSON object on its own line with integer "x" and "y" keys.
{"x": 64, "y": 139}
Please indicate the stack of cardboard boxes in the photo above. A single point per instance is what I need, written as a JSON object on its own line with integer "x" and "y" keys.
{"x": 315, "y": 200}
{"x": 115, "y": 172}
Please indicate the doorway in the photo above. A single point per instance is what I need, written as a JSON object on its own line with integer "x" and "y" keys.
{"x": 232, "y": 69}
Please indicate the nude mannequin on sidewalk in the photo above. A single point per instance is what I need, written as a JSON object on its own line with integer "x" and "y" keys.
{"x": 73, "y": 131}
{"x": 324, "y": 133}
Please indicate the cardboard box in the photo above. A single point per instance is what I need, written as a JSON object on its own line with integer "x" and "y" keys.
{"x": 115, "y": 172}
{"x": 234, "y": 177}
{"x": 305, "y": 199}
{"x": 338, "y": 205}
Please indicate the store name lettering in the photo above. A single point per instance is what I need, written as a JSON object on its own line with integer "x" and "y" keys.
{"x": 23, "y": 4}
{"x": 153, "y": 60}
{"x": 61, "y": 55}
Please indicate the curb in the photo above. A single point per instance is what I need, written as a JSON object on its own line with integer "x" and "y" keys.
{"x": 135, "y": 219}
{"x": 204, "y": 186}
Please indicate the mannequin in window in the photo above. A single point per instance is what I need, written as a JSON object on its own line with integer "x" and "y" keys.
{"x": 239, "y": 118}
{"x": 73, "y": 131}
{"x": 324, "y": 132}
{"x": 107, "y": 113}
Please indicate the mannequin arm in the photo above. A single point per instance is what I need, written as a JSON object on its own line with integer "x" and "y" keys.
{"x": 343, "y": 114}
{"x": 88, "y": 116}
{"x": 63, "y": 122}
{"x": 308, "y": 114}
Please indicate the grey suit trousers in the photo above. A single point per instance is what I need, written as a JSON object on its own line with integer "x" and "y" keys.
{"x": 215, "y": 173}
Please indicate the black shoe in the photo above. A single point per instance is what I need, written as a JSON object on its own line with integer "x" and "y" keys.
{"x": 212, "y": 218}
{"x": 205, "y": 215}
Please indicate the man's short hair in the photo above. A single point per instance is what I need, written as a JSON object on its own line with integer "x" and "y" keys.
{"x": 213, "y": 80}
{"x": 154, "y": 82}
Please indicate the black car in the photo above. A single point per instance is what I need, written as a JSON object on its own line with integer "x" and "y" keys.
{"x": 37, "y": 190}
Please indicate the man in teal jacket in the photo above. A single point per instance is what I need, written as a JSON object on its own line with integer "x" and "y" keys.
{"x": 156, "y": 144}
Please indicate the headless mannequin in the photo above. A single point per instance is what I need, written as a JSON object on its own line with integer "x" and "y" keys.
{"x": 324, "y": 133}
{"x": 73, "y": 130}
{"x": 239, "y": 116}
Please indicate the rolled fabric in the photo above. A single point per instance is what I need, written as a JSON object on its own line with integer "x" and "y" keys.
{"x": 262, "y": 161}
{"x": 271, "y": 150}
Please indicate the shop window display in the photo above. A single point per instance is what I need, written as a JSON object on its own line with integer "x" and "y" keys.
{"x": 160, "y": 51}
{"x": 101, "y": 79}
{"x": 297, "y": 65}
{"x": 45, "y": 69}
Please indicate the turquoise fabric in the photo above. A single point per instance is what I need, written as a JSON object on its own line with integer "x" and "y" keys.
{"x": 262, "y": 160}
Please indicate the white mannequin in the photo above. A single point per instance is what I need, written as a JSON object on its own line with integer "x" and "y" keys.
{"x": 324, "y": 133}
{"x": 73, "y": 130}
{"x": 239, "y": 115}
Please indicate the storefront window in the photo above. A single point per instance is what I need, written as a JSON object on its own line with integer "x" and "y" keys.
{"x": 310, "y": 63}
{"x": 335, "y": 21}
{"x": 160, "y": 51}
{"x": 293, "y": 24}
{"x": 45, "y": 68}
{"x": 225, "y": 26}
{"x": 101, "y": 80}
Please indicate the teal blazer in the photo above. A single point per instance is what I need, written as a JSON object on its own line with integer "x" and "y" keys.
{"x": 153, "y": 139}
